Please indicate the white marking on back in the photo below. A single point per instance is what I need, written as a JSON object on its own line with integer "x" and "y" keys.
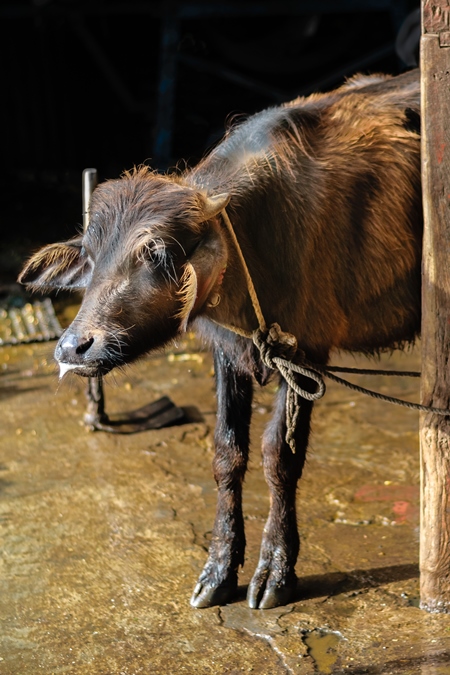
{"x": 250, "y": 141}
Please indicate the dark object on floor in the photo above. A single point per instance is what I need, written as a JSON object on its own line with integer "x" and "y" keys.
{"x": 160, "y": 413}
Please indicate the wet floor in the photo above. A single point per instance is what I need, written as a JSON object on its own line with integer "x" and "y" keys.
{"x": 103, "y": 536}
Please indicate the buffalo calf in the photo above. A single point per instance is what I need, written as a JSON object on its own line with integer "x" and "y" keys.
{"x": 324, "y": 197}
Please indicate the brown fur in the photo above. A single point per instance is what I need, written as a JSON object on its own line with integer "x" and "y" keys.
{"x": 325, "y": 200}
{"x": 346, "y": 205}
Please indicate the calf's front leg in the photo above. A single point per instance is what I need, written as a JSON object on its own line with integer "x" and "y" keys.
{"x": 274, "y": 581}
{"x": 217, "y": 583}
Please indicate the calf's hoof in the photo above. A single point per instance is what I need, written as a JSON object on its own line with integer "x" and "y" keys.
{"x": 265, "y": 592}
{"x": 207, "y": 593}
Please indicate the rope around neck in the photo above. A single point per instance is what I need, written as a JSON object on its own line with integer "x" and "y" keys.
{"x": 279, "y": 349}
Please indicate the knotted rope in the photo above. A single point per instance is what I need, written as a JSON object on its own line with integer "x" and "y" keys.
{"x": 279, "y": 351}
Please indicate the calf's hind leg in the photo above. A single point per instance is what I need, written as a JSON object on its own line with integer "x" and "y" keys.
{"x": 274, "y": 581}
{"x": 217, "y": 583}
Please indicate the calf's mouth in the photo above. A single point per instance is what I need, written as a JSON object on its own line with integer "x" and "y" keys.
{"x": 83, "y": 354}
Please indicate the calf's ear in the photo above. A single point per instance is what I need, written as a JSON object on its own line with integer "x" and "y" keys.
{"x": 57, "y": 266}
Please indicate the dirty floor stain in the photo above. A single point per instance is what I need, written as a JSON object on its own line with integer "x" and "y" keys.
{"x": 322, "y": 648}
{"x": 103, "y": 537}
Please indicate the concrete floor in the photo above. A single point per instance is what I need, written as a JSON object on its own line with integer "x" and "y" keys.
{"x": 103, "y": 537}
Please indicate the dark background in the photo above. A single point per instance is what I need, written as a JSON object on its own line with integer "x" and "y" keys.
{"x": 112, "y": 84}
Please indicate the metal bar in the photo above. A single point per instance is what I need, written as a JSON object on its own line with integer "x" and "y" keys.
{"x": 95, "y": 411}
{"x": 89, "y": 180}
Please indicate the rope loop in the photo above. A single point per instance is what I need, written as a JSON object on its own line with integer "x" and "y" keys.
{"x": 273, "y": 345}
{"x": 287, "y": 368}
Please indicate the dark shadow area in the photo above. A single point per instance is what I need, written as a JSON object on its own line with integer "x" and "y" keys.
{"x": 345, "y": 582}
{"x": 154, "y": 415}
{"x": 11, "y": 390}
{"x": 397, "y": 666}
{"x": 4, "y": 484}
{"x": 335, "y": 583}
{"x": 192, "y": 414}
{"x": 115, "y": 84}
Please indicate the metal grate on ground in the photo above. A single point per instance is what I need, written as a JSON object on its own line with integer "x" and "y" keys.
{"x": 34, "y": 322}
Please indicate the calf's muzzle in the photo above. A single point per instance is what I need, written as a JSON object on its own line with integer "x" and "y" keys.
{"x": 79, "y": 352}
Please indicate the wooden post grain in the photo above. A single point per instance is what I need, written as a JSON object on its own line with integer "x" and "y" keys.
{"x": 435, "y": 430}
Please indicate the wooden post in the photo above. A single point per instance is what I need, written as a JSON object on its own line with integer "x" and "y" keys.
{"x": 435, "y": 430}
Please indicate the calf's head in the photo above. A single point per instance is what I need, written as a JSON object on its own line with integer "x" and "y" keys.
{"x": 152, "y": 254}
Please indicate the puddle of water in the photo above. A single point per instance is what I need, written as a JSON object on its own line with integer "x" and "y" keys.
{"x": 322, "y": 647}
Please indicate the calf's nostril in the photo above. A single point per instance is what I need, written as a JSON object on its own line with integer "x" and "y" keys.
{"x": 84, "y": 346}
